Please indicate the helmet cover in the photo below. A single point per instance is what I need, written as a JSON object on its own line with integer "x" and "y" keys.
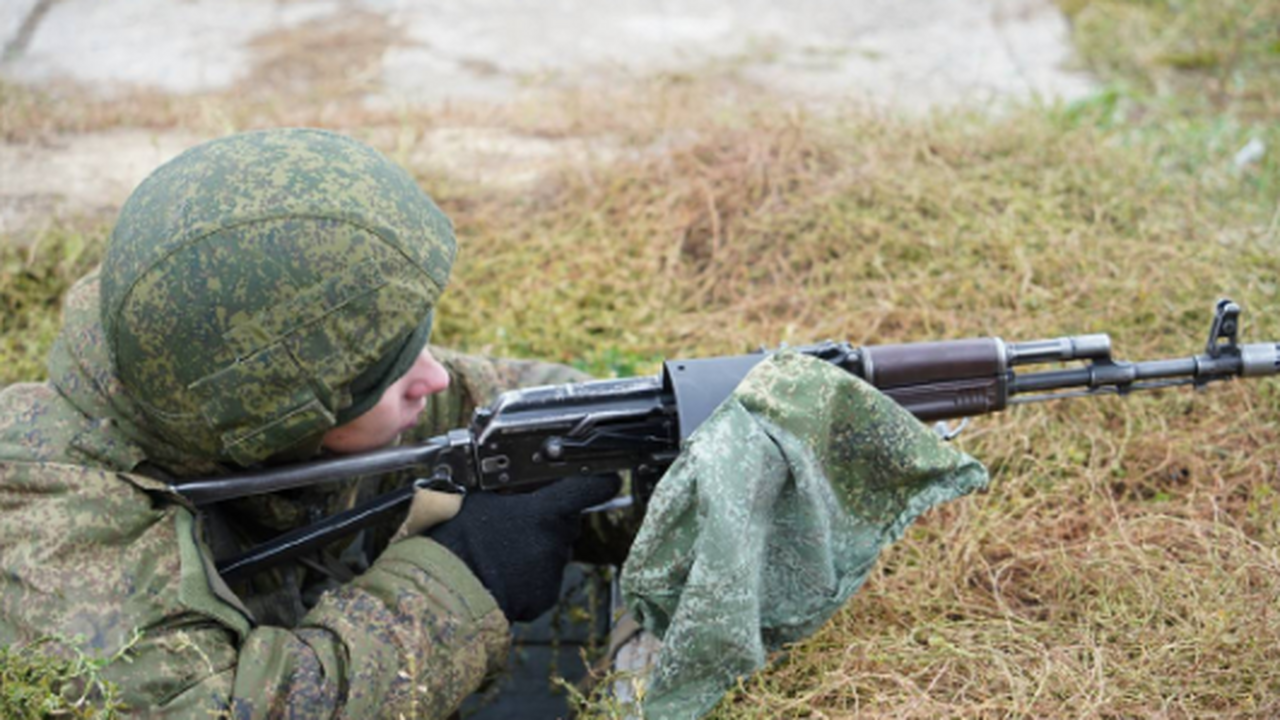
{"x": 250, "y": 281}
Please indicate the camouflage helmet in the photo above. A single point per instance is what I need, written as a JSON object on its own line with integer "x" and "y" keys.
{"x": 260, "y": 289}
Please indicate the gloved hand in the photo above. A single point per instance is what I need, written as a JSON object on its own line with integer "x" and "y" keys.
{"x": 518, "y": 545}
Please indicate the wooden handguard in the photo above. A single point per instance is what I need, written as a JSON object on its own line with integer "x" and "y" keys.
{"x": 941, "y": 380}
{"x": 889, "y": 366}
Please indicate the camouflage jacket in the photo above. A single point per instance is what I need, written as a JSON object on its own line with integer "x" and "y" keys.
{"x": 96, "y": 552}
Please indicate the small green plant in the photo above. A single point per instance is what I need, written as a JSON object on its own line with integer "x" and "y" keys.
{"x": 52, "y": 678}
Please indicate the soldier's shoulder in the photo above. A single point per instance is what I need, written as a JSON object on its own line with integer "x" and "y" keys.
{"x": 32, "y": 426}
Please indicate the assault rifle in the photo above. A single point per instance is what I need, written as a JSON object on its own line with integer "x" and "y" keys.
{"x": 529, "y": 438}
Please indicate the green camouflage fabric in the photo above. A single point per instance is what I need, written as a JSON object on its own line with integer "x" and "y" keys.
{"x": 771, "y": 518}
{"x": 97, "y": 553}
{"x": 297, "y": 259}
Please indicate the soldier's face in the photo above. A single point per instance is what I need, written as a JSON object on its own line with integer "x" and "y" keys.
{"x": 396, "y": 411}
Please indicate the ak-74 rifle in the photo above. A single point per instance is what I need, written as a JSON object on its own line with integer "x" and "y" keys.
{"x": 531, "y": 437}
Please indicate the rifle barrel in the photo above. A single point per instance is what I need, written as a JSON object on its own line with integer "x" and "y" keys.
{"x": 1256, "y": 360}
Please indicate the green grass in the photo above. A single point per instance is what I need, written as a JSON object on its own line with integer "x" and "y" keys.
{"x": 52, "y": 679}
{"x": 1126, "y": 561}
{"x": 33, "y": 279}
{"x": 1183, "y": 57}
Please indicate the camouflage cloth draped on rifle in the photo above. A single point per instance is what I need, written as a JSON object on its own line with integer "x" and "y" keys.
{"x": 772, "y": 518}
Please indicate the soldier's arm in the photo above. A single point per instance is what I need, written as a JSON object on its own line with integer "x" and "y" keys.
{"x": 412, "y": 637}
{"x": 100, "y": 560}
{"x": 418, "y": 611}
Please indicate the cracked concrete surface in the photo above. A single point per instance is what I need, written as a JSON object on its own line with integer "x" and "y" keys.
{"x": 913, "y": 53}
{"x": 908, "y": 55}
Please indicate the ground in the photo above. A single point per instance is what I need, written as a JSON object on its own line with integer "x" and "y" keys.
{"x": 704, "y": 180}
{"x": 906, "y": 55}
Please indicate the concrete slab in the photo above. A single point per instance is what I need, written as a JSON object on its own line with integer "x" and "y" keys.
{"x": 911, "y": 53}
{"x": 919, "y": 55}
{"x": 907, "y": 54}
{"x": 13, "y": 15}
{"x": 179, "y": 47}
{"x": 79, "y": 175}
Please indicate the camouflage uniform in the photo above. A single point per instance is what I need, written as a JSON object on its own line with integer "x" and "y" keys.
{"x": 98, "y": 552}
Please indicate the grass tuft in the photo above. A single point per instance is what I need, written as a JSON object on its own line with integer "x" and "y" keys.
{"x": 33, "y": 279}
{"x": 53, "y": 679}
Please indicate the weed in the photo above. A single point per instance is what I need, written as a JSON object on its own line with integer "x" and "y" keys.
{"x": 52, "y": 678}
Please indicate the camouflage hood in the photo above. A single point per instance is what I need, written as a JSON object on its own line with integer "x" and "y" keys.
{"x": 252, "y": 283}
{"x": 102, "y": 427}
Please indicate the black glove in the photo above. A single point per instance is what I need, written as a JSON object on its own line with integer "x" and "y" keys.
{"x": 518, "y": 545}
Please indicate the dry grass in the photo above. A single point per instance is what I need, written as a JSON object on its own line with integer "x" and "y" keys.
{"x": 1126, "y": 561}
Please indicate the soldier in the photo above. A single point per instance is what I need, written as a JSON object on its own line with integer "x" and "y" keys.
{"x": 264, "y": 298}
